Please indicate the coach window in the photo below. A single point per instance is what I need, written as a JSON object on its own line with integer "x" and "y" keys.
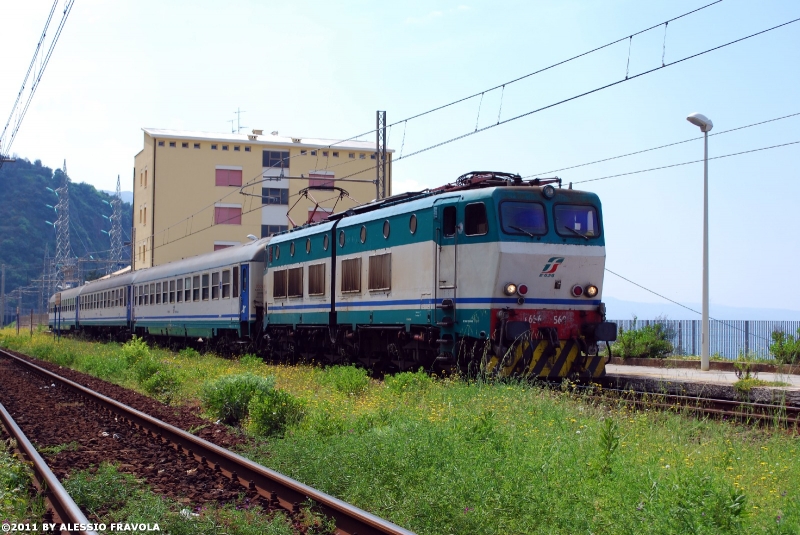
{"x": 146, "y": 294}
{"x": 164, "y": 293}
{"x": 196, "y": 288}
{"x": 449, "y": 221}
{"x": 179, "y": 290}
{"x": 158, "y": 293}
{"x": 187, "y": 289}
{"x": 475, "y": 222}
{"x": 135, "y": 295}
{"x": 226, "y": 284}
{"x": 205, "y": 286}
{"x": 236, "y": 281}
{"x": 215, "y": 285}
{"x": 172, "y": 291}
{"x": 152, "y": 293}
{"x": 139, "y": 296}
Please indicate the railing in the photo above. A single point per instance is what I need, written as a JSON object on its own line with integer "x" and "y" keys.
{"x": 728, "y": 338}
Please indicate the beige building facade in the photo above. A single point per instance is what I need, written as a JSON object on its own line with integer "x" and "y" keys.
{"x": 195, "y": 192}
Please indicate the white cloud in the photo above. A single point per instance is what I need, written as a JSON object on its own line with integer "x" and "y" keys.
{"x": 424, "y": 19}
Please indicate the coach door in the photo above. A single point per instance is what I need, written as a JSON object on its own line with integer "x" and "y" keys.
{"x": 446, "y": 232}
{"x": 129, "y": 305}
{"x": 244, "y": 300}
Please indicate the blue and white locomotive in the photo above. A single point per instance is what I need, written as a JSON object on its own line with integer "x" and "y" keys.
{"x": 490, "y": 273}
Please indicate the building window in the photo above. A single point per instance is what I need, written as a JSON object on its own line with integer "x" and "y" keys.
{"x": 321, "y": 179}
{"x": 324, "y": 154}
{"x": 224, "y": 147}
{"x": 197, "y": 145}
{"x": 228, "y": 177}
{"x": 303, "y": 152}
{"x": 172, "y": 144}
{"x": 275, "y": 159}
{"x": 335, "y": 154}
{"x": 295, "y": 282}
{"x": 362, "y": 156}
{"x": 236, "y": 148}
{"x": 316, "y": 279}
{"x": 279, "y": 284}
{"x": 184, "y": 145}
{"x": 145, "y": 178}
{"x": 351, "y": 275}
{"x": 213, "y": 146}
{"x": 247, "y": 149}
{"x": 352, "y": 155}
{"x": 372, "y": 157}
{"x": 226, "y": 215}
{"x": 160, "y": 143}
{"x": 271, "y": 230}
{"x": 313, "y": 153}
{"x": 274, "y": 196}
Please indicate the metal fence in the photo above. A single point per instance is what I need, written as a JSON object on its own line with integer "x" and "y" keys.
{"x": 728, "y": 339}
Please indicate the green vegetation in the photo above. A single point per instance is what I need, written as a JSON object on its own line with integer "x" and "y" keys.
{"x": 112, "y": 496}
{"x": 24, "y": 233}
{"x": 447, "y": 456}
{"x": 649, "y": 341}
{"x": 228, "y": 397}
{"x": 785, "y": 347}
{"x": 16, "y": 484}
{"x": 55, "y": 450}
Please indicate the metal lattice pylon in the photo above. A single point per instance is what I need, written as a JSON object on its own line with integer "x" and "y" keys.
{"x": 64, "y": 262}
{"x": 116, "y": 231}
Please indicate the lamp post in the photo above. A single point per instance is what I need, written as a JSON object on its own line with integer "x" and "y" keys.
{"x": 705, "y": 125}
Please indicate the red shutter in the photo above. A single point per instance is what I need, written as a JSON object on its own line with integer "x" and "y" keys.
{"x": 235, "y": 177}
{"x": 221, "y": 177}
{"x": 217, "y": 247}
{"x": 320, "y": 180}
{"x": 227, "y": 216}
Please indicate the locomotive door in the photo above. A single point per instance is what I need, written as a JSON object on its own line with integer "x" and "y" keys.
{"x": 244, "y": 301}
{"x": 446, "y": 232}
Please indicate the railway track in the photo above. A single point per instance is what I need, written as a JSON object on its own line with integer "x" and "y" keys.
{"x": 735, "y": 410}
{"x": 198, "y": 461}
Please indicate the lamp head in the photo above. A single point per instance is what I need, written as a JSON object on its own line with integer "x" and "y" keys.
{"x": 698, "y": 119}
{"x": 250, "y": 236}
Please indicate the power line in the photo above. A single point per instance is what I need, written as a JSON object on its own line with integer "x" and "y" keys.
{"x": 661, "y": 146}
{"x": 687, "y": 163}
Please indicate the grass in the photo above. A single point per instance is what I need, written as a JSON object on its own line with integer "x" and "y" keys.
{"x": 444, "y": 456}
{"x": 748, "y": 383}
{"x": 111, "y": 496}
{"x": 17, "y": 503}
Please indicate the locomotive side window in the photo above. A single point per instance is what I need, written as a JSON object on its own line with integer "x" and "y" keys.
{"x": 196, "y": 288}
{"x": 236, "y": 281}
{"x": 475, "y": 222}
{"x": 205, "y": 286}
{"x": 523, "y": 218}
{"x": 279, "y": 284}
{"x": 316, "y": 279}
{"x": 449, "y": 221}
{"x": 179, "y": 290}
{"x": 412, "y": 224}
{"x": 187, "y": 289}
{"x": 576, "y": 220}
{"x": 215, "y": 285}
{"x": 226, "y": 284}
{"x": 351, "y": 275}
{"x": 380, "y": 272}
{"x": 296, "y": 282}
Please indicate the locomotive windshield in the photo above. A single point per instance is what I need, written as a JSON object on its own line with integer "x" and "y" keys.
{"x": 577, "y": 220}
{"x": 519, "y": 217}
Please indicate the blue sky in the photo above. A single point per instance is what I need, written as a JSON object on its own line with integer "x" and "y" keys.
{"x": 322, "y": 69}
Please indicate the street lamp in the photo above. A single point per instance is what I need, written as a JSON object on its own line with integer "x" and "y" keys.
{"x": 705, "y": 125}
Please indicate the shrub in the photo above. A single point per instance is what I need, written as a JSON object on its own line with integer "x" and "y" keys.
{"x": 272, "y": 412}
{"x": 250, "y": 361}
{"x": 135, "y": 350}
{"x": 408, "y": 381}
{"x": 346, "y": 379}
{"x": 228, "y": 397}
{"x": 189, "y": 353}
{"x": 650, "y": 341}
{"x": 785, "y": 348}
{"x": 146, "y": 368}
{"x": 162, "y": 383}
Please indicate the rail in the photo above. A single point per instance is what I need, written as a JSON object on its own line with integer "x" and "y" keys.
{"x": 288, "y": 493}
{"x": 62, "y": 503}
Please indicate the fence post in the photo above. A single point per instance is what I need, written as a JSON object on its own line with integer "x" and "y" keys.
{"x": 746, "y": 339}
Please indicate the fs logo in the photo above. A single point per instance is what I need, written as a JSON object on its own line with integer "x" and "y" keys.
{"x": 550, "y": 268}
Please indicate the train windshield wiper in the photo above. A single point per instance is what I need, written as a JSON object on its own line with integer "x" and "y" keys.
{"x": 522, "y": 230}
{"x": 576, "y": 232}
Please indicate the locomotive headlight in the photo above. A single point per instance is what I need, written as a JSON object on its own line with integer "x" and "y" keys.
{"x": 591, "y": 290}
{"x": 548, "y": 191}
{"x": 510, "y": 289}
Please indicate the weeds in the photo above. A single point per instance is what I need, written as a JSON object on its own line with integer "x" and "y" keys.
{"x": 348, "y": 380}
{"x": 609, "y": 442}
{"x": 272, "y": 412}
{"x": 785, "y": 347}
{"x": 649, "y": 341}
{"x": 228, "y": 398}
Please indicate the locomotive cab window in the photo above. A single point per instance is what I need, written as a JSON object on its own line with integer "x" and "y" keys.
{"x": 475, "y": 221}
{"x": 523, "y": 218}
{"x": 573, "y": 220}
{"x": 449, "y": 221}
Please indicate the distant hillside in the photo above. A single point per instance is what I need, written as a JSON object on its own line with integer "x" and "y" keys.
{"x": 24, "y": 233}
{"x": 126, "y": 196}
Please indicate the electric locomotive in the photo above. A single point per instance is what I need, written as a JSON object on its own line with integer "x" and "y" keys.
{"x": 489, "y": 273}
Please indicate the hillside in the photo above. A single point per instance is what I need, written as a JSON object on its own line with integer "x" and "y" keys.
{"x": 24, "y": 233}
